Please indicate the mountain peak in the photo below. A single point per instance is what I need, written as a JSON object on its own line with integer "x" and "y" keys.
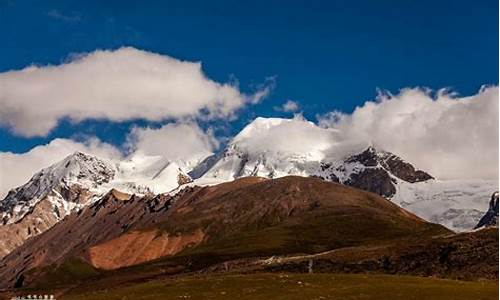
{"x": 70, "y": 179}
{"x": 79, "y": 166}
{"x": 79, "y": 155}
{"x": 259, "y": 126}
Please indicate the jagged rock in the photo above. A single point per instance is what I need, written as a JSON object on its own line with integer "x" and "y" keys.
{"x": 373, "y": 170}
{"x": 490, "y": 219}
{"x": 183, "y": 179}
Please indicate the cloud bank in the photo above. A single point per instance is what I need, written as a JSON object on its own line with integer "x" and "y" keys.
{"x": 175, "y": 141}
{"x": 119, "y": 85}
{"x": 448, "y": 136}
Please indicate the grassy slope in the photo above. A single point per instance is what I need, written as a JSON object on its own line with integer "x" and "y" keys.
{"x": 299, "y": 286}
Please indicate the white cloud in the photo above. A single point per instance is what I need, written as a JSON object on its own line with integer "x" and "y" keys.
{"x": 282, "y": 137}
{"x": 118, "y": 85}
{"x": 174, "y": 141}
{"x": 449, "y": 137}
{"x": 16, "y": 169}
{"x": 263, "y": 90}
{"x": 288, "y": 106}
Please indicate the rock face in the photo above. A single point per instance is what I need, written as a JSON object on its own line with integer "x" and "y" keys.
{"x": 374, "y": 171}
{"x": 490, "y": 219}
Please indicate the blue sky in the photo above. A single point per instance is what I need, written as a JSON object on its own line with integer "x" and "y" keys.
{"x": 327, "y": 55}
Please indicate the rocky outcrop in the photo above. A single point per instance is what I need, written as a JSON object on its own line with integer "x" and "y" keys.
{"x": 402, "y": 169}
{"x": 490, "y": 219}
{"x": 375, "y": 180}
{"x": 373, "y": 170}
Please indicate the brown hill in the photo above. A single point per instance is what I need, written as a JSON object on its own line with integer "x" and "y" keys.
{"x": 249, "y": 217}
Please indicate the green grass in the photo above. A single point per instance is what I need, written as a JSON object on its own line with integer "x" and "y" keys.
{"x": 299, "y": 286}
{"x": 313, "y": 232}
{"x": 71, "y": 271}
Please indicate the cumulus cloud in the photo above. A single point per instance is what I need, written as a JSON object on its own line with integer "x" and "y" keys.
{"x": 448, "y": 136}
{"x": 17, "y": 168}
{"x": 174, "y": 141}
{"x": 288, "y": 106}
{"x": 119, "y": 85}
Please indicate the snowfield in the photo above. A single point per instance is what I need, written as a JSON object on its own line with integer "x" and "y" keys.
{"x": 456, "y": 204}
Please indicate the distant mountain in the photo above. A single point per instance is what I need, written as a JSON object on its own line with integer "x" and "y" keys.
{"x": 248, "y": 217}
{"x": 373, "y": 170}
{"x": 490, "y": 219}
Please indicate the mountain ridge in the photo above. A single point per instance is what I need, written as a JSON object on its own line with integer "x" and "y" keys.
{"x": 369, "y": 168}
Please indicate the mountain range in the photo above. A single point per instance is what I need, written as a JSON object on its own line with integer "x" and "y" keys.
{"x": 101, "y": 209}
{"x": 80, "y": 179}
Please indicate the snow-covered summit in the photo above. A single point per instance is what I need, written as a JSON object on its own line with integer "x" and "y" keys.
{"x": 270, "y": 147}
{"x": 280, "y": 147}
{"x": 257, "y": 127}
{"x": 78, "y": 171}
{"x": 149, "y": 174}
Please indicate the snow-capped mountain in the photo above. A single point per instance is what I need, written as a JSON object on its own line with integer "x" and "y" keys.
{"x": 370, "y": 169}
{"x": 251, "y": 154}
{"x": 73, "y": 183}
{"x": 50, "y": 195}
{"x": 143, "y": 174}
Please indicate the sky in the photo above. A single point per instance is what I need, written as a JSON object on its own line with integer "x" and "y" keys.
{"x": 104, "y": 74}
